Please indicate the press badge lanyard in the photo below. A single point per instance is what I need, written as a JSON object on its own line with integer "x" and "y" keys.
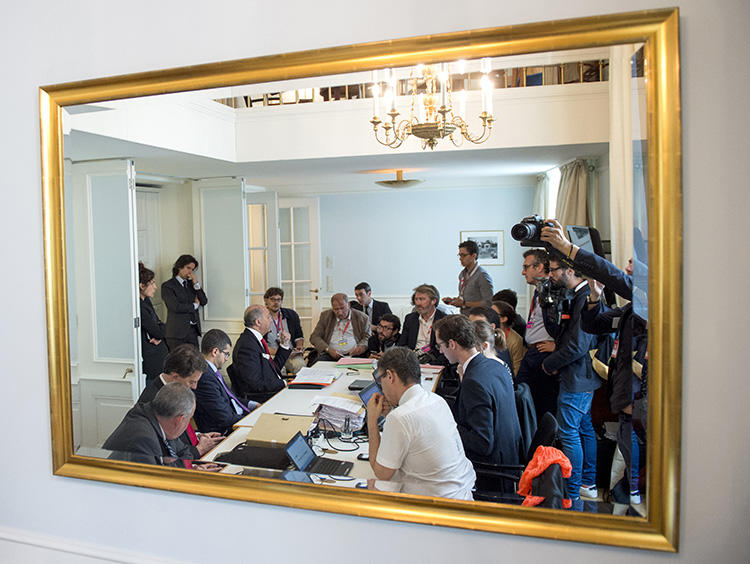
{"x": 278, "y": 325}
{"x": 343, "y": 331}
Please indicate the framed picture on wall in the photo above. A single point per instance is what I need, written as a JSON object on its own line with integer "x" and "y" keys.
{"x": 490, "y": 244}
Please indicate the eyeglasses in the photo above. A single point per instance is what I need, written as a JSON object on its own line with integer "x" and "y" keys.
{"x": 226, "y": 354}
{"x": 385, "y": 328}
{"x": 462, "y": 255}
{"x": 527, "y": 266}
{"x": 556, "y": 268}
{"x": 275, "y": 299}
{"x": 440, "y": 344}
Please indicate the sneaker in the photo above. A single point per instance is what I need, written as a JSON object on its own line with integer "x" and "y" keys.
{"x": 635, "y": 497}
{"x": 589, "y": 492}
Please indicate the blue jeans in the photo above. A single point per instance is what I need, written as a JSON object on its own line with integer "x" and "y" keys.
{"x": 577, "y": 438}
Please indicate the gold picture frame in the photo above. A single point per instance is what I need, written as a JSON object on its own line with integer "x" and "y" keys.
{"x": 659, "y": 31}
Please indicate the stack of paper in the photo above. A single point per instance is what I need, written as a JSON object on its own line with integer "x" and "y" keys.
{"x": 335, "y": 410}
{"x": 314, "y": 378}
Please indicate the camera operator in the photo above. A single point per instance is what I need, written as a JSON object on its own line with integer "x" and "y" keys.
{"x": 572, "y": 364}
{"x": 538, "y": 338}
{"x": 623, "y": 385}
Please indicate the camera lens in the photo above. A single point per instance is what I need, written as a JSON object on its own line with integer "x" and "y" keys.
{"x": 523, "y": 231}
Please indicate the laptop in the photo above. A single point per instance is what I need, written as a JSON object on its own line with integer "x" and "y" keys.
{"x": 303, "y": 458}
{"x": 259, "y": 456}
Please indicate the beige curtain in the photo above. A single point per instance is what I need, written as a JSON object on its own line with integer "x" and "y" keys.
{"x": 572, "y": 201}
{"x": 541, "y": 198}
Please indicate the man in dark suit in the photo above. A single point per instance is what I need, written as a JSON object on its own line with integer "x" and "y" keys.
{"x": 150, "y": 431}
{"x": 254, "y": 372}
{"x": 341, "y": 331}
{"x": 485, "y": 408}
{"x": 386, "y": 335}
{"x": 184, "y": 365}
{"x": 183, "y": 295}
{"x": 217, "y": 407}
{"x": 374, "y": 309}
{"x": 418, "y": 334}
{"x": 282, "y": 319}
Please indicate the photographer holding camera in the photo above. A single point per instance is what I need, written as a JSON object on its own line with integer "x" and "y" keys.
{"x": 571, "y": 363}
{"x": 539, "y": 340}
{"x": 624, "y": 386}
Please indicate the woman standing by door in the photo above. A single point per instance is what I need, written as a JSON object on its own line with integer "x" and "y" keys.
{"x": 153, "y": 346}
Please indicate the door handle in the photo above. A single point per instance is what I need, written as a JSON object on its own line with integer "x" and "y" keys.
{"x": 315, "y": 291}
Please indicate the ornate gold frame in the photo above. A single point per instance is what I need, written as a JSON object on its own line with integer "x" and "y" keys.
{"x": 659, "y": 30}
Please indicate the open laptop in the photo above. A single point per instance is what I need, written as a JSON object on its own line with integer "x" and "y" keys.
{"x": 303, "y": 458}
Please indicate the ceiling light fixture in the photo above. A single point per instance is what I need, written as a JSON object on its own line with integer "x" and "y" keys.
{"x": 399, "y": 182}
{"x": 432, "y": 115}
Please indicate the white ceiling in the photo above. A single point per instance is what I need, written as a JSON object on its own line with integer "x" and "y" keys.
{"x": 472, "y": 168}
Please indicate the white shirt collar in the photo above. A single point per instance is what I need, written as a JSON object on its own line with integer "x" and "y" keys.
{"x": 179, "y": 279}
{"x": 466, "y": 364}
{"x": 581, "y": 285}
{"x": 212, "y": 365}
{"x": 410, "y": 393}
{"x": 256, "y": 333}
{"x": 429, "y": 319}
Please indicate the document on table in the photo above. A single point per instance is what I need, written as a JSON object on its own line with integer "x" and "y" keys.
{"x": 315, "y": 376}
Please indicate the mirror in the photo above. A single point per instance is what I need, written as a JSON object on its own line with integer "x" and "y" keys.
{"x": 121, "y": 158}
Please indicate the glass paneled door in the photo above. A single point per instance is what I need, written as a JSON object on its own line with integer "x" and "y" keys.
{"x": 300, "y": 259}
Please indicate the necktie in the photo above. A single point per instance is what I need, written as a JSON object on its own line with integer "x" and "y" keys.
{"x": 230, "y": 394}
{"x": 270, "y": 360}
{"x": 191, "y": 434}
{"x": 170, "y": 448}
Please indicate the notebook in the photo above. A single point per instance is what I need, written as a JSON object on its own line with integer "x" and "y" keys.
{"x": 303, "y": 458}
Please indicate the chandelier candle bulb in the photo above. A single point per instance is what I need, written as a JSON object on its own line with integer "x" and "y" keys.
{"x": 376, "y": 99}
{"x": 444, "y": 85}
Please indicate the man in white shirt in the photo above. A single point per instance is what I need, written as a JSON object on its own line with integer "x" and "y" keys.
{"x": 420, "y": 445}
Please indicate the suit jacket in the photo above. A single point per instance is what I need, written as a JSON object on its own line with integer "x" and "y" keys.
{"x": 147, "y": 396}
{"x": 571, "y": 357}
{"x": 321, "y": 335}
{"x": 410, "y": 332}
{"x": 214, "y": 410}
{"x": 152, "y": 327}
{"x": 251, "y": 373}
{"x": 139, "y": 433}
{"x": 180, "y": 310}
{"x": 379, "y": 309}
{"x": 486, "y": 413}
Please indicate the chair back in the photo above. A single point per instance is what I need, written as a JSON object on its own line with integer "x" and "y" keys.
{"x": 526, "y": 419}
{"x": 546, "y": 434}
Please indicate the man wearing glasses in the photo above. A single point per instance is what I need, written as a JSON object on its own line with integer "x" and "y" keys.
{"x": 386, "y": 335}
{"x": 217, "y": 408}
{"x": 282, "y": 319}
{"x": 474, "y": 284}
{"x": 538, "y": 340}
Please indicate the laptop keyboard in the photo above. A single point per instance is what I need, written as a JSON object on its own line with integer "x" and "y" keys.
{"x": 328, "y": 466}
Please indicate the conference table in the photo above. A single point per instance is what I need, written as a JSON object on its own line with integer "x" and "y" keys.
{"x": 290, "y": 401}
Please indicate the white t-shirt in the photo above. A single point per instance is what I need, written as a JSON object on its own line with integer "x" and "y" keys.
{"x": 420, "y": 440}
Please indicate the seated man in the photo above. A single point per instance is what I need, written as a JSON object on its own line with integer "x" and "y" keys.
{"x": 418, "y": 334}
{"x": 282, "y": 319}
{"x": 184, "y": 365}
{"x": 341, "y": 331}
{"x": 255, "y": 374}
{"x": 420, "y": 446}
{"x": 374, "y": 309}
{"x": 217, "y": 408}
{"x": 485, "y": 408}
{"x": 151, "y": 430}
{"x": 385, "y": 337}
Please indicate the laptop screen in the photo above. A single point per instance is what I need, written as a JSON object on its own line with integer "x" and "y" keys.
{"x": 299, "y": 452}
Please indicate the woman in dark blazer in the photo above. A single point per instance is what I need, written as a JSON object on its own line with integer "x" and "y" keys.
{"x": 153, "y": 345}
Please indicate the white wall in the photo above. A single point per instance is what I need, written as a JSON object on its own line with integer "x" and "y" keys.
{"x": 48, "y": 42}
{"x": 421, "y": 230}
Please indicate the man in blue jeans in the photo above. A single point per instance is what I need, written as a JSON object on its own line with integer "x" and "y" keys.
{"x": 571, "y": 362}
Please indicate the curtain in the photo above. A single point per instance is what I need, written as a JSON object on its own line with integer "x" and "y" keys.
{"x": 572, "y": 201}
{"x": 541, "y": 198}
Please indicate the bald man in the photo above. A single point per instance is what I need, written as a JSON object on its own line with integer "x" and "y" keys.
{"x": 341, "y": 331}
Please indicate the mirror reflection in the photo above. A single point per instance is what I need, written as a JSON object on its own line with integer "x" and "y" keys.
{"x": 296, "y": 252}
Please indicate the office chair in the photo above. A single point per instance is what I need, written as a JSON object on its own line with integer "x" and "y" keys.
{"x": 498, "y": 482}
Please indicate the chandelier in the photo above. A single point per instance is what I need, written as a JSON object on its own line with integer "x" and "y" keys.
{"x": 432, "y": 113}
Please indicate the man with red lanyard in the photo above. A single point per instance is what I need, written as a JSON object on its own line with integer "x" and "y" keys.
{"x": 538, "y": 340}
{"x": 282, "y": 320}
{"x": 341, "y": 331}
{"x": 417, "y": 333}
{"x": 474, "y": 284}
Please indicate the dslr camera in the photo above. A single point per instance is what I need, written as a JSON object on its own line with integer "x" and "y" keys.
{"x": 529, "y": 231}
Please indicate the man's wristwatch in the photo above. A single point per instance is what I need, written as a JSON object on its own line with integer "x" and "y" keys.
{"x": 593, "y": 302}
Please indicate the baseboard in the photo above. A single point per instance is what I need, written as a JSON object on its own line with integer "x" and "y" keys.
{"x": 59, "y": 546}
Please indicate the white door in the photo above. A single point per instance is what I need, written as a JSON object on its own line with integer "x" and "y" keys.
{"x": 261, "y": 231}
{"x": 104, "y": 305}
{"x": 300, "y": 259}
{"x": 148, "y": 214}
